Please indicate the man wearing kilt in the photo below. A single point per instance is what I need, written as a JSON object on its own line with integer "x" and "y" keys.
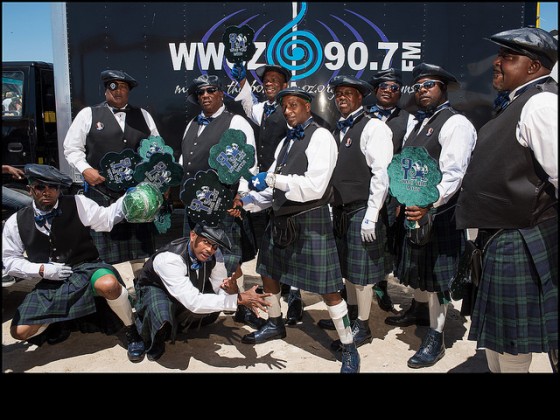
{"x": 449, "y": 138}
{"x": 51, "y": 239}
{"x": 186, "y": 283}
{"x": 203, "y": 132}
{"x": 360, "y": 185}
{"x": 510, "y": 193}
{"x": 298, "y": 247}
{"x": 112, "y": 126}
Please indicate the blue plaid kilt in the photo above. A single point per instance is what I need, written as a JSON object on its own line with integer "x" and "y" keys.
{"x": 72, "y": 299}
{"x": 154, "y": 306}
{"x": 430, "y": 267}
{"x": 232, "y": 229}
{"x": 361, "y": 262}
{"x": 516, "y": 308}
{"x": 126, "y": 241}
{"x": 311, "y": 262}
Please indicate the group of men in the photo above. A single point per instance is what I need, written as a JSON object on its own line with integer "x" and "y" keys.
{"x": 322, "y": 213}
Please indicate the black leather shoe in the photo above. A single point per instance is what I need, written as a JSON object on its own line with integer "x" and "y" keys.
{"x": 431, "y": 350}
{"x": 350, "y": 359}
{"x": 295, "y": 308}
{"x": 328, "y": 324}
{"x": 285, "y": 289}
{"x": 57, "y": 333}
{"x": 418, "y": 314}
{"x": 246, "y": 316}
{"x": 135, "y": 345}
{"x": 383, "y": 298}
{"x": 360, "y": 332}
{"x": 273, "y": 329}
{"x": 158, "y": 345}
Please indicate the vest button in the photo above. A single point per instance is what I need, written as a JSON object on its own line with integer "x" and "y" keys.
{"x": 124, "y": 141}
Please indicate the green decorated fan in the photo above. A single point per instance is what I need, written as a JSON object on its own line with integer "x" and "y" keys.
{"x": 159, "y": 170}
{"x": 151, "y": 145}
{"x": 118, "y": 169}
{"x": 232, "y": 157}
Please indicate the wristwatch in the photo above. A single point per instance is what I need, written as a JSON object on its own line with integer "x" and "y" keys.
{"x": 270, "y": 179}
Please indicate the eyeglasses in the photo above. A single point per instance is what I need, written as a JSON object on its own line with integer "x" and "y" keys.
{"x": 428, "y": 84}
{"x": 206, "y": 242}
{"x": 42, "y": 187}
{"x": 210, "y": 91}
{"x": 392, "y": 87}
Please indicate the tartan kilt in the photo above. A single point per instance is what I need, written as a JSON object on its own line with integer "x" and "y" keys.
{"x": 70, "y": 300}
{"x": 126, "y": 241}
{"x": 430, "y": 267}
{"x": 232, "y": 230}
{"x": 362, "y": 263}
{"x": 311, "y": 262}
{"x": 516, "y": 308}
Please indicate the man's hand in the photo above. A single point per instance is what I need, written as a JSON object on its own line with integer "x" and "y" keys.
{"x": 251, "y": 299}
{"x": 258, "y": 182}
{"x": 55, "y": 271}
{"x": 415, "y": 213}
{"x": 368, "y": 230}
{"x": 92, "y": 177}
{"x": 230, "y": 286}
{"x": 16, "y": 173}
{"x": 238, "y": 72}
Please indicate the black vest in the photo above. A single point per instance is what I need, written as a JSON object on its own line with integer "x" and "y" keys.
{"x": 111, "y": 138}
{"x": 505, "y": 186}
{"x": 397, "y": 122}
{"x": 70, "y": 241}
{"x": 352, "y": 175}
{"x": 296, "y": 163}
{"x": 271, "y": 132}
{"x": 200, "y": 278}
{"x": 196, "y": 149}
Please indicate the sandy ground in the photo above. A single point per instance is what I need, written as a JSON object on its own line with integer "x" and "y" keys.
{"x": 218, "y": 347}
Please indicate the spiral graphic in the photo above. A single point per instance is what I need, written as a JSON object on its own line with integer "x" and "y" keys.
{"x": 287, "y": 46}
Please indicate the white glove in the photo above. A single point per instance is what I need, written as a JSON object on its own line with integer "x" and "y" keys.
{"x": 368, "y": 230}
{"x": 56, "y": 271}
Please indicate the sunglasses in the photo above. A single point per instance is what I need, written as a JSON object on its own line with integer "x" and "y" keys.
{"x": 428, "y": 84}
{"x": 42, "y": 187}
{"x": 387, "y": 86}
{"x": 210, "y": 91}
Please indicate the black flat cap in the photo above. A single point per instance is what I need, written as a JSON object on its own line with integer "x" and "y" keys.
{"x": 214, "y": 234}
{"x": 46, "y": 174}
{"x": 201, "y": 81}
{"x": 116, "y": 75}
{"x": 389, "y": 75}
{"x": 431, "y": 70}
{"x": 534, "y": 43}
{"x": 352, "y": 81}
{"x": 294, "y": 91}
{"x": 279, "y": 69}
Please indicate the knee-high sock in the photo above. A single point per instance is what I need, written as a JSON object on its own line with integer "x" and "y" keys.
{"x": 508, "y": 363}
{"x": 351, "y": 297}
{"x": 121, "y": 306}
{"x": 364, "y": 296}
{"x": 339, "y": 315}
{"x": 274, "y": 310}
{"x": 421, "y": 296}
{"x": 40, "y": 330}
{"x": 438, "y": 312}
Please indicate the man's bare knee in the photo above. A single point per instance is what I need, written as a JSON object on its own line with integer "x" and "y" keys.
{"x": 108, "y": 287}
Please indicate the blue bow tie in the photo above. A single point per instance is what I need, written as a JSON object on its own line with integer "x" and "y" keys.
{"x": 501, "y": 101}
{"x": 269, "y": 109}
{"x": 203, "y": 120}
{"x": 342, "y": 124}
{"x": 42, "y": 219}
{"x": 195, "y": 263}
{"x": 296, "y": 133}
{"x": 422, "y": 115}
{"x": 380, "y": 112}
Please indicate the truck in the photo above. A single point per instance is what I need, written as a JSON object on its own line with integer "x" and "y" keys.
{"x": 166, "y": 45}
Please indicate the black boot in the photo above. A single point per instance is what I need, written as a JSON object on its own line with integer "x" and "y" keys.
{"x": 360, "y": 332}
{"x": 246, "y": 316}
{"x": 418, "y": 314}
{"x": 58, "y": 332}
{"x": 328, "y": 324}
{"x": 273, "y": 328}
{"x": 135, "y": 345}
{"x": 383, "y": 298}
{"x": 158, "y": 344}
{"x": 295, "y": 308}
{"x": 350, "y": 359}
{"x": 431, "y": 350}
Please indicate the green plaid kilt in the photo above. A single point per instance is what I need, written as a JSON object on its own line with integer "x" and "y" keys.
{"x": 126, "y": 241}
{"x": 516, "y": 308}
{"x": 232, "y": 229}
{"x": 310, "y": 263}
{"x": 154, "y": 306}
{"x": 72, "y": 299}
{"x": 361, "y": 262}
{"x": 431, "y": 266}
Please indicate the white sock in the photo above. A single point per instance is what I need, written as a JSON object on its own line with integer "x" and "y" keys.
{"x": 40, "y": 330}
{"x": 364, "y": 296}
{"x": 351, "y": 297}
{"x": 274, "y": 310}
{"x": 121, "y": 306}
{"x": 438, "y": 312}
{"x": 339, "y": 315}
{"x": 421, "y": 296}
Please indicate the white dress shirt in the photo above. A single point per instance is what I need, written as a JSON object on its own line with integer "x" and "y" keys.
{"x": 251, "y": 105}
